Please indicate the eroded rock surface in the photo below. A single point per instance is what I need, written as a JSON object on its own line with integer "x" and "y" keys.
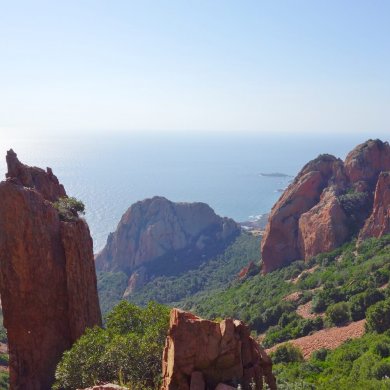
{"x": 160, "y": 232}
{"x": 378, "y": 223}
{"x": 202, "y": 354}
{"x": 47, "y": 275}
{"x": 327, "y": 203}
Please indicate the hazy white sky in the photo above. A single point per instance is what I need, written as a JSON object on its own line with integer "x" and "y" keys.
{"x": 265, "y": 66}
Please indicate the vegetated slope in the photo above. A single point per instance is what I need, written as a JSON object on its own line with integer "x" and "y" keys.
{"x": 343, "y": 283}
{"x": 362, "y": 364}
{"x": 214, "y": 274}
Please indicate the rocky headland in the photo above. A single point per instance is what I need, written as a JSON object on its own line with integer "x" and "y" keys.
{"x": 328, "y": 203}
{"x": 156, "y": 236}
{"x": 47, "y": 274}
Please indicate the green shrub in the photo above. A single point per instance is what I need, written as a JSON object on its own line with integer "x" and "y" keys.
{"x": 361, "y": 302}
{"x": 338, "y": 314}
{"x": 381, "y": 370}
{"x": 378, "y": 317}
{"x": 69, "y": 208}
{"x": 321, "y": 354}
{"x": 4, "y": 359}
{"x": 287, "y": 353}
{"x": 129, "y": 350}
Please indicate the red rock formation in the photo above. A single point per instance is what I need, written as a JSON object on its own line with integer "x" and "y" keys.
{"x": 249, "y": 270}
{"x": 320, "y": 210}
{"x": 378, "y": 223}
{"x": 324, "y": 227}
{"x": 202, "y": 354}
{"x": 154, "y": 229}
{"x": 367, "y": 161}
{"x": 47, "y": 276}
{"x": 280, "y": 243}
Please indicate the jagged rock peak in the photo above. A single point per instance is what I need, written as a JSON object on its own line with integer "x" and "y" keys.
{"x": 155, "y": 227}
{"x": 327, "y": 203}
{"x": 45, "y": 182}
{"x": 201, "y": 354}
{"x": 47, "y": 273}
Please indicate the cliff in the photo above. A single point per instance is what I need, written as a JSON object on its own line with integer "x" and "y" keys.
{"x": 328, "y": 202}
{"x": 47, "y": 275}
{"x": 201, "y": 354}
{"x": 157, "y": 236}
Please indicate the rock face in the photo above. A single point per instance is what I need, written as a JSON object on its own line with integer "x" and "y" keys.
{"x": 47, "y": 275}
{"x": 157, "y": 230}
{"x": 327, "y": 203}
{"x": 378, "y": 223}
{"x": 201, "y": 354}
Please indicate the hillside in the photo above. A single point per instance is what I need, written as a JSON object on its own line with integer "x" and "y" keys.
{"x": 212, "y": 275}
{"x": 270, "y": 303}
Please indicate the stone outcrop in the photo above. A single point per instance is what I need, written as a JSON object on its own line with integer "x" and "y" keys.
{"x": 47, "y": 275}
{"x": 378, "y": 223}
{"x": 201, "y": 354}
{"x": 327, "y": 203}
{"x": 156, "y": 230}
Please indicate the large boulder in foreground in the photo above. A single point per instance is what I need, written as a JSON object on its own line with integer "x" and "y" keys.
{"x": 328, "y": 202}
{"x": 162, "y": 234}
{"x": 47, "y": 275}
{"x": 201, "y": 354}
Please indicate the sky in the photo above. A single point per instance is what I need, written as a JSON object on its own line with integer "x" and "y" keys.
{"x": 80, "y": 66}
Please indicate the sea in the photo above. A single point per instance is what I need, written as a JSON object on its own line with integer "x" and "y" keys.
{"x": 232, "y": 172}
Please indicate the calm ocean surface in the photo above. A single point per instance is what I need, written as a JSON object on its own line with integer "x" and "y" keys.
{"x": 109, "y": 173}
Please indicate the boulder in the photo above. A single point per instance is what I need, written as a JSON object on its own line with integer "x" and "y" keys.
{"x": 47, "y": 275}
{"x": 198, "y": 350}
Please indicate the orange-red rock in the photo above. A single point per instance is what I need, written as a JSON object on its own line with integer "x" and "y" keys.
{"x": 223, "y": 353}
{"x": 378, "y": 223}
{"x": 157, "y": 230}
{"x": 367, "y": 161}
{"x": 47, "y": 275}
{"x": 324, "y": 227}
{"x": 326, "y": 204}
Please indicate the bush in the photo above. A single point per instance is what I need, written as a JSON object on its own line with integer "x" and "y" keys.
{"x": 361, "y": 302}
{"x": 287, "y": 353}
{"x": 129, "y": 350}
{"x": 338, "y": 314}
{"x": 69, "y": 208}
{"x": 378, "y": 317}
{"x": 321, "y": 354}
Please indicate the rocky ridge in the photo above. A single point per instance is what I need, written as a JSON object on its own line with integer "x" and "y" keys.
{"x": 155, "y": 234}
{"x": 328, "y": 202}
{"x": 47, "y": 275}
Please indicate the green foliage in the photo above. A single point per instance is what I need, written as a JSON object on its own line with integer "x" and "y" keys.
{"x": 4, "y": 359}
{"x": 291, "y": 326}
{"x": 347, "y": 274}
{"x": 357, "y": 364}
{"x": 129, "y": 350}
{"x": 69, "y": 208}
{"x": 111, "y": 286}
{"x": 338, "y": 314}
{"x": 177, "y": 286}
{"x": 378, "y": 317}
{"x": 4, "y": 380}
{"x": 213, "y": 274}
{"x": 287, "y": 353}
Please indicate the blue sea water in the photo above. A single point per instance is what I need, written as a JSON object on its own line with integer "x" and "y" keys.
{"x": 110, "y": 172}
